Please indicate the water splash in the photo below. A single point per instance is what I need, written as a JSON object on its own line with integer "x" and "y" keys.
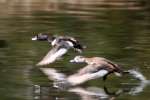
{"x": 138, "y": 75}
{"x": 143, "y": 81}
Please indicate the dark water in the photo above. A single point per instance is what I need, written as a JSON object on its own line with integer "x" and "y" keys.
{"x": 115, "y": 29}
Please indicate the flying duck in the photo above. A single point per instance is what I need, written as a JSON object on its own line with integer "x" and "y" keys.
{"x": 96, "y": 64}
{"x": 96, "y": 67}
{"x": 85, "y": 74}
{"x": 60, "y": 46}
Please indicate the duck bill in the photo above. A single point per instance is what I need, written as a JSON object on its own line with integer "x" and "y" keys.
{"x": 34, "y": 38}
{"x": 74, "y": 61}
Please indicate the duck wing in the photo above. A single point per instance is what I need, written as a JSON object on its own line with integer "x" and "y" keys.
{"x": 85, "y": 74}
{"x": 53, "y": 55}
{"x": 87, "y": 69}
{"x": 72, "y": 42}
{"x": 91, "y": 69}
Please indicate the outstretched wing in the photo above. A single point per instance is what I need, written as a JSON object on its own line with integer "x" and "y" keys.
{"x": 53, "y": 55}
{"x": 86, "y": 69}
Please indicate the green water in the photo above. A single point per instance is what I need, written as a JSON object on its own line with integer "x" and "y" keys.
{"x": 116, "y": 29}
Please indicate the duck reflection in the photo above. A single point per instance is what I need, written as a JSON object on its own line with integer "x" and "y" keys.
{"x": 62, "y": 86}
{"x": 94, "y": 93}
{"x": 61, "y": 79}
{"x": 97, "y": 93}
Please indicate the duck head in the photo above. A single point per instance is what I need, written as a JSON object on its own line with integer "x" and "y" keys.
{"x": 40, "y": 37}
{"x": 78, "y": 59}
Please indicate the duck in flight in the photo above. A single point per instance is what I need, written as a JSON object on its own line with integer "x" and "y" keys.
{"x": 101, "y": 67}
{"x": 60, "y": 46}
{"x": 97, "y": 67}
{"x": 98, "y": 64}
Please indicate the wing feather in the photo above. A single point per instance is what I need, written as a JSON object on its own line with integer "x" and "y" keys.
{"x": 52, "y": 55}
{"x": 87, "y": 69}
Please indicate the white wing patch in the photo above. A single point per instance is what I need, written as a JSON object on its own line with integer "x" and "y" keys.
{"x": 76, "y": 79}
{"x": 70, "y": 43}
{"x": 54, "y": 42}
{"x": 52, "y": 56}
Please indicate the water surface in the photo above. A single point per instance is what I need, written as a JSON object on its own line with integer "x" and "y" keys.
{"x": 115, "y": 29}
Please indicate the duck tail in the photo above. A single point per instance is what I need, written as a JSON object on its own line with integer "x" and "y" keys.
{"x": 119, "y": 71}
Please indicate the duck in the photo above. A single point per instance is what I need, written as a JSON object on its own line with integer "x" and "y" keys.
{"x": 87, "y": 73}
{"x": 96, "y": 67}
{"x": 97, "y": 64}
{"x": 60, "y": 46}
